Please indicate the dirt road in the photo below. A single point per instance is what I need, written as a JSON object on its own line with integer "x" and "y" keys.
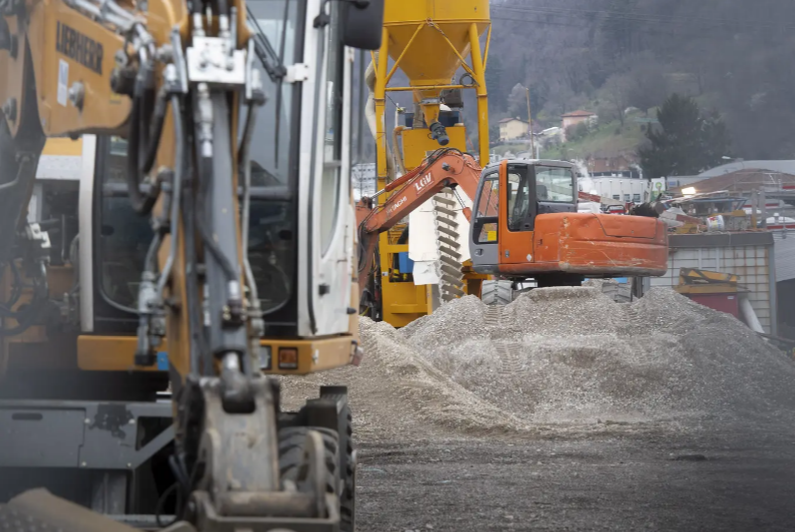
{"x": 723, "y": 482}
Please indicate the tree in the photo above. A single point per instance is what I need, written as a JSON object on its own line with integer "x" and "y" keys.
{"x": 517, "y": 102}
{"x": 616, "y": 92}
{"x": 495, "y": 82}
{"x": 494, "y": 132}
{"x": 647, "y": 85}
{"x": 619, "y": 27}
{"x": 686, "y": 141}
{"x": 577, "y": 132}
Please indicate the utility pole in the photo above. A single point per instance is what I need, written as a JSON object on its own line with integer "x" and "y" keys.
{"x": 530, "y": 124}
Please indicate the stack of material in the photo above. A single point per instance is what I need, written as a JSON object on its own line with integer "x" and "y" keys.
{"x": 564, "y": 359}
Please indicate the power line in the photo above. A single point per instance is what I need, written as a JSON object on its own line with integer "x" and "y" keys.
{"x": 635, "y": 14}
{"x": 654, "y": 31}
{"x": 543, "y": 22}
{"x": 648, "y": 31}
{"x": 644, "y": 17}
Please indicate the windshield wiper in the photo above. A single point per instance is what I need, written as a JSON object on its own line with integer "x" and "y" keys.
{"x": 271, "y": 61}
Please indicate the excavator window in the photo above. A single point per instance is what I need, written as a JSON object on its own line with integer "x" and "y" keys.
{"x": 274, "y": 145}
{"x": 274, "y": 157}
{"x": 554, "y": 184}
{"x": 332, "y": 152}
{"x": 518, "y": 197}
{"x": 124, "y": 236}
{"x": 488, "y": 209}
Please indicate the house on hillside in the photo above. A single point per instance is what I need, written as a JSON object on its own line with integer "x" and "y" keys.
{"x": 513, "y": 128}
{"x": 576, "y": 117}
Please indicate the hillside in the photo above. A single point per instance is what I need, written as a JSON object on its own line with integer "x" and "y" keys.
{"x": 609, "y": 55}
{"x": 605, "y": 140}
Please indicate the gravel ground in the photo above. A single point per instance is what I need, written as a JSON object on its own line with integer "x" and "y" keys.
{"x": 567, "y": 411}
{"x": 728, "y": 482}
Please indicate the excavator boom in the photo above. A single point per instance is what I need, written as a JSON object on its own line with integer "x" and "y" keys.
{"x": 447, "y": 167}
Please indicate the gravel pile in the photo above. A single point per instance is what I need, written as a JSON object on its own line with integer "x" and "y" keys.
{"x": 563, "y": 358}
{"x": 397, "y": 395}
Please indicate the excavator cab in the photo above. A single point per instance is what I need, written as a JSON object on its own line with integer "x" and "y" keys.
{"x": 525, "y": 225}
{"x": 527, "y": 189}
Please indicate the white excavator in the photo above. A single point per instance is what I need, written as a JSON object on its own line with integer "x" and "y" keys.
{"x": 206, "y": 241}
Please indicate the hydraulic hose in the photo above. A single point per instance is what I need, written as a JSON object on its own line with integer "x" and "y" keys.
{"x": 141, "y": 137}
{"x": 176, "y": 194}
{"x": 244, "y": 159}
{"x": 156, "y": 132}
{"x": 200, "y": 356}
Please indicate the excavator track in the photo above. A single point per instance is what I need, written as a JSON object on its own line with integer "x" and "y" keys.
{"x": 497, "y": 292}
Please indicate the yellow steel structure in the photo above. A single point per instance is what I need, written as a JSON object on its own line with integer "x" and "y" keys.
{"x": 695, "y": 281}
{"x": 429, "y": 40}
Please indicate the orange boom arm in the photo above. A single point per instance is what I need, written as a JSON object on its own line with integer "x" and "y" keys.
{"x": 445, "y": 168}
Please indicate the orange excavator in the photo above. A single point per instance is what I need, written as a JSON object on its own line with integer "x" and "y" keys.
{"x": 525, "y": 224}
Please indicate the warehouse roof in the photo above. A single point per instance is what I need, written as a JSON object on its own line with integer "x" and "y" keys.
{"x": 744, "y": 181}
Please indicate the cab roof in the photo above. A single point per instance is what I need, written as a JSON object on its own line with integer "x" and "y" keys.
{"x": 538, "y": 162}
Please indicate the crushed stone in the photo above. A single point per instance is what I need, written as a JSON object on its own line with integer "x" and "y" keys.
{"x": 397, "y": 395}
{"x": 566, "y": 358}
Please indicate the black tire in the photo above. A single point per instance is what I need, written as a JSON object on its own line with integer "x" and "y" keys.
{"x": 496, "y": 292}
{"x": 348, "y": 472}
{"x": 292, "y": 441}
{"x": 347, "y": 464}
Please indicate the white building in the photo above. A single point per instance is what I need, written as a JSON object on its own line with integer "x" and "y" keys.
{"x": 622, "y": 189}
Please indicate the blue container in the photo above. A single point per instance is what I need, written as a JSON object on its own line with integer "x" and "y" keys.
{"x": 405, "y": 264}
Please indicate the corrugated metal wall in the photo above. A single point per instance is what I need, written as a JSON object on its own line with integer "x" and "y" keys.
{"x": 785, "y": 254}
{"x": 751, "y": 262}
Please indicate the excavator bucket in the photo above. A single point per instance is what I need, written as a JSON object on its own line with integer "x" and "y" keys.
{"x": 40, "y": 511}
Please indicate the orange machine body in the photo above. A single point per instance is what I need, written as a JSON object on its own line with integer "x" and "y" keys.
{"x": 593, "y": 245}
{"x": 570, "y": 244}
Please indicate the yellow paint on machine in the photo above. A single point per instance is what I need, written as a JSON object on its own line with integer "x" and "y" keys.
{"x": 117, "y": 353}
{"x": 417, "y": 144}
{"x": 63, "y": 146}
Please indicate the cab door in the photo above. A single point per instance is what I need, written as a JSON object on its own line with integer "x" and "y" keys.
{"x": 519, "y": 208}
{"x": 483, "y": 231}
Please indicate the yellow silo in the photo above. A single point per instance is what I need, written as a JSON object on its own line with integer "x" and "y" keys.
{"x": 429, "y": 40}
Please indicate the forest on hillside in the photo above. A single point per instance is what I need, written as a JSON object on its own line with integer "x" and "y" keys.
{"x": 734, "y": 57}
